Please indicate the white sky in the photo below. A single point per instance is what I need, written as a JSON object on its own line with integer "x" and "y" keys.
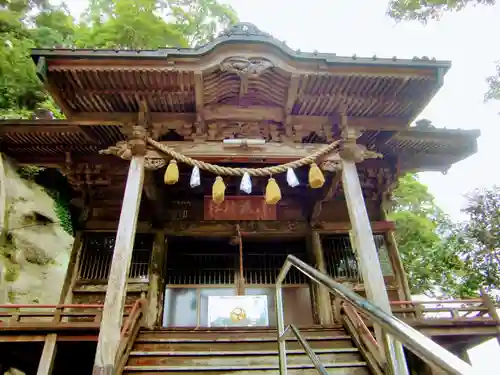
{"x": 361, "y": 27}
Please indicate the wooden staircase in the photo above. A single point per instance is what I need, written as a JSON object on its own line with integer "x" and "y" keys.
{"x": 253, "y": 351}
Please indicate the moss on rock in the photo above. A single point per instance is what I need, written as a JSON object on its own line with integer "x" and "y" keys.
{"x": 35, "y": 250}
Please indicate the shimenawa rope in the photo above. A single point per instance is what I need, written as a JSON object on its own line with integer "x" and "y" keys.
{"x": 254, "y": 172}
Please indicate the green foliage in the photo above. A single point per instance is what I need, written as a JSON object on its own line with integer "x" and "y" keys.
{"x": 142, "y": 24}
{"x": 12, "y": 272}
{"x": 29, "y": 172}
{"x": 430, "y": 9}
{"x": 423, "y": 232}
{"x": 61, "y": 207}
{"x": 442, "y": 257}
{"x": 481, "y": 233}
{"x": 121, "y": 24}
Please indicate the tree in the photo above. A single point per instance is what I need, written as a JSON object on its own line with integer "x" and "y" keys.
{"x": 405, "y": 10}
{"x": 120, "y": 24}
{"x": 442, "y": 257}
{"x": 142, "y": 24}
{"x": 481, "y": 233}
{"x": 425, "y": 236}
{"x": 431, "y": 9}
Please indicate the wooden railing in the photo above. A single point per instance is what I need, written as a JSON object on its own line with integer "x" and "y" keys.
{"x": 470, "y": 310}
{"x": 22, "y": 316}
{"x": 363, "y": 338}
{"x": 129, "y": 333}
{"x": 479, "y": 310}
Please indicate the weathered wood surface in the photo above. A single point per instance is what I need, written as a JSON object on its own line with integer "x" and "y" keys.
{"x": 156, "y": 280}
{"x": 109, "y": 335}
{"x": 240, "y": 209}
{"x": 363, "y": 338}
{"x": 46, "y": 363}
{"x": 323, "y": 302}
{"x": 362, "y": 236}
{"x": 240, "y": 350}
{"x": 72, "y": 270}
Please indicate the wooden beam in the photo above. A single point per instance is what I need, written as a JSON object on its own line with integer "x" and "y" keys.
{"x": 235, "y": 113}
{"x": 323, "y": 302}
{"x": 71, "y": 270}
{"x": 329, "y": 191}
{"x": 156, "y": 280}
{"x": 330, "y": 227}
{"x": 155, "y": 197}
{"x": 215, "y": 152}
{"x": 364, "y": 245}
{"x": 199, "y": 93}
{"x": 210, "y": 113}
{"x": 48, "y": 355}
{"x": 112, "y": 315}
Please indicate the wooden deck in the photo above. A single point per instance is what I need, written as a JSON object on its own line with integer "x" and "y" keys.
{"x": 472, "y": 317}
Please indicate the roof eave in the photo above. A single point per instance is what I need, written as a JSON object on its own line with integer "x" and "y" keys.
{"x": 165, "y": 53}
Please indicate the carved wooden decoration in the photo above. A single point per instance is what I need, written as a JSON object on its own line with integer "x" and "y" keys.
{"x": 245, "y": 68}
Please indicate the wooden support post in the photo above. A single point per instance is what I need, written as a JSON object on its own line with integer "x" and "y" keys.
{"x": 156, "y": 281}
{"x": 397, "y": 264}
{"x": 492, "y": 310}
{"x": 109, "y": 333}
{"x": 362, "y": 237}
{"x": 323, "y": 301}
{"x": 72, "y": 270}
{"x": 48, "y": 355}
{"x": 364, "y": 243}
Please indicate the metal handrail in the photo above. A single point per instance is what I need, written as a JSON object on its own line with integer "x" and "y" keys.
{"x": 302, "y": 341}
{"x": 411, "y": 338}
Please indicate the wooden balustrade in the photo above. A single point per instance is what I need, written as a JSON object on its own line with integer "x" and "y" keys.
{"x": 363, "y": 338}
{"x": 67, "y": 316}
{"x": 451, "y": 310}
{"x": 129, "y": 332}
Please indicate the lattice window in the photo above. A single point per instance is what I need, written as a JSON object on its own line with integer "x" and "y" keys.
{"x": 196, "y": 261}
{"x": 97, "y": 253}
{"x": 201, "y": 261}
{"x": 341, "y": 261}
{"x": 262, "y": 261}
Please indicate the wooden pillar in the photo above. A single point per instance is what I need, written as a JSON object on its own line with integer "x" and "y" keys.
{"x": 404, "y": 291}
{"x": 72, "y": 270}
{"x": 48, "y": 355}
{"x": 492, "y": 310}
{"x": 362, "y": 237}
{"x": 397, "y": 265}
{"x": 364, "y": 243}
{"x": 109, "y": 333}
{"x": 156, "y": 280}
{"x": 322, "y": 300}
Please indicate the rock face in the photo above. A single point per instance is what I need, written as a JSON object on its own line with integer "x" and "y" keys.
{"x": 34, "y": 248}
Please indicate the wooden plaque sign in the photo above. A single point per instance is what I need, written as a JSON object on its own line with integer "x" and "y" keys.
{"x": 239, "y": 208}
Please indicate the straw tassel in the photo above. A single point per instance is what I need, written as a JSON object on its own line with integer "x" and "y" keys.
{"x": 172, "y": 173}
{"x": 273, "y": 192}
{"x": 316, "y": 178}
{"x": 218, "y": 190}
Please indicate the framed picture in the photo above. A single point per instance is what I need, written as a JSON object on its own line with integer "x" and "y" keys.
{"x": 237, "y": 311}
